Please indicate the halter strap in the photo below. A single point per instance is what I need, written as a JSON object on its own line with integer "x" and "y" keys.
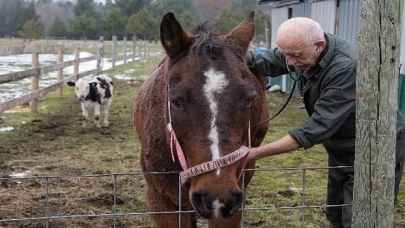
{"x": 187, "y": 173}
{"x": 173, "y": 139}
{"x": 239, "y": 154}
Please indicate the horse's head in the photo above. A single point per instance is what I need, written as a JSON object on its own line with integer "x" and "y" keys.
{"x": 212, "y": 99}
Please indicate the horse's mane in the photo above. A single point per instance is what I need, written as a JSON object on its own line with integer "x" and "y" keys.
{"x": 206, "y": 42}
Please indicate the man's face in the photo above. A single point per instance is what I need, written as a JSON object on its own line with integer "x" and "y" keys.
{"x": 299, "y": 54}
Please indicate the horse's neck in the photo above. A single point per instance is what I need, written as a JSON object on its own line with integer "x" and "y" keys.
{"x": 163, "y": 61}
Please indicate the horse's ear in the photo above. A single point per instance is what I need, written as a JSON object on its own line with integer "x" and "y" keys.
{"x": 243, "y": 33}
{"x": 174, "y": 39}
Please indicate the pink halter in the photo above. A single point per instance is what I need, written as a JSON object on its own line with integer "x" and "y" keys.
{"x": 187, "y": 173}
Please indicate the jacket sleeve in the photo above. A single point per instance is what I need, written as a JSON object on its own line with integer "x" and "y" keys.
{"x": 336, "y": 102}
{"x": 270, "y": 62}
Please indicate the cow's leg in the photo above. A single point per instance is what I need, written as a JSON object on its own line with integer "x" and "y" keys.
{"x": 97, "y": 115}
{"x": 159, "y": 203}
{"x": 106, "y": 111}
{"x": 85, "y": 113}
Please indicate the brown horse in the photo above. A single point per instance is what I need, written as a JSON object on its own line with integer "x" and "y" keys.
{"x": 199, "y": 104}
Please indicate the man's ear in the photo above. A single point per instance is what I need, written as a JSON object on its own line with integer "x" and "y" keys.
{"x": 320, "y": 44}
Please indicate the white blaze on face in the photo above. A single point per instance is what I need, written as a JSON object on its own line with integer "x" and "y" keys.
{"x": 216, "y": 208}
{"x": 214, "y": 85}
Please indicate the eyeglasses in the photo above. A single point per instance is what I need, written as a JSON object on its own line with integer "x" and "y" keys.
{"x": 295, "y": 54}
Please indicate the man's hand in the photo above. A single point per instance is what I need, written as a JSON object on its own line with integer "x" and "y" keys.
{"x": 251, "y": 64}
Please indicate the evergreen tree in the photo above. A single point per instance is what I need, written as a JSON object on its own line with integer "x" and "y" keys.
{"x": 83, "y": 25}
{"x": 3, "y": 20}
{"x": 160, "y": 7}
{"x": 58, "y": 28}
{"x": 133, "y": 25}
{"x": 85, "y": 7}
{"x": 144, "y": 23}
{"x": 229, "y": 19}
{"x": 14, "y": 18}
{"x": 31, "y": 30}
{"x": 26, "y": 14}
{"x": 115, "y": 22}
{"x": 238, "y": 5}
{"x": 187, "y": 20}
{"x": 130, "y": 7}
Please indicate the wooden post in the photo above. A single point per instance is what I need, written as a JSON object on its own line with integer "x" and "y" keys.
{"x": 140, "y": 49}
{"x": 148, "y": 48}
{"x": 125, "y": 49}
{"x": 376, "y": 107}
{"x": 76, "y": 66}
{"x": 133, "y": 47}
{"x": 144, "y": 49}
{"x": 114, "y": 50}
{"x": 59, "y": 91}
{"x": 34, "y": 82}
{"x": 100, "y": 51}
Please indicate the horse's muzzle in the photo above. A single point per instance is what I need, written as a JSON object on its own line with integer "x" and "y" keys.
{"x": 208, "y": 207}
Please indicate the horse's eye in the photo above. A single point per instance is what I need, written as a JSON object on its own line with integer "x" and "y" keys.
{"x": 177, "y": 104}
{"x": 249, "y": 98}
{"x": 248, "y": 104}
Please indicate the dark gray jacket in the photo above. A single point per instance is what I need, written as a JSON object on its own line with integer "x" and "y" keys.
{"x": 328, "y": 90}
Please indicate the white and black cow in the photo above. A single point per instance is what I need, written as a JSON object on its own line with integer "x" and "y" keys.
{"x": 94, "y": 93}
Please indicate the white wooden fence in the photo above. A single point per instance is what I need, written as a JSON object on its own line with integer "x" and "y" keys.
{"x": 37, "y": 71}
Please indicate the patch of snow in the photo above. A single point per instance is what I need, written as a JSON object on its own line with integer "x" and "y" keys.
{"x": 22, "y": 62}
{"x": 4, "y": 129}
{"x": 19, "y": 175}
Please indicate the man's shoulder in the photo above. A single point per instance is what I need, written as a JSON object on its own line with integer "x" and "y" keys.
{"x": 343, "y": 48}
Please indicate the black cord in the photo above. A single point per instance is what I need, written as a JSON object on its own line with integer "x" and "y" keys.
{"x": 285, "y": 104}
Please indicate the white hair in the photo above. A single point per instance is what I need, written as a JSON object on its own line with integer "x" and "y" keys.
{"x": 308, "y": 28}
{"x": 313, "y": 33}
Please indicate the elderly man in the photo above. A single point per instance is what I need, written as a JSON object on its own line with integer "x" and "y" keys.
{"x": 325, "y": 66}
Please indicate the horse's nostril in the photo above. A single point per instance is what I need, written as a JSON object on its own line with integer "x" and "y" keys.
{"x": 202, "y": 202}
{"x": 232, "y": 204}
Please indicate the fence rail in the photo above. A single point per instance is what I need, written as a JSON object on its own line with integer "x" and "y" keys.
{"x": 47, "y": 216}
{"x": 44, "y": 48}
{"x": 118, "y": 52}
{"x": 37, "y": 71}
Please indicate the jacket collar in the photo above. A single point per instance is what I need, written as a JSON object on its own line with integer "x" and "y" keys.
{"x": 330, "y": 49}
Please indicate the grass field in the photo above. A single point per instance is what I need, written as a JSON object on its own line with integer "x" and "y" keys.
{"x": 50, "y": 143}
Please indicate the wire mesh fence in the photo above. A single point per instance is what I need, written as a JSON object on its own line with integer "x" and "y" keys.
{"x": 50, "y": 199}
